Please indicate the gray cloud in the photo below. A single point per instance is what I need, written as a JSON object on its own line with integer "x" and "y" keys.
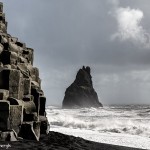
{"x": 68, "y": 34}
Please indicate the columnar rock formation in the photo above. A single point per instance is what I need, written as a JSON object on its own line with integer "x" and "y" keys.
{"x": 22, "y": 101}
{"x": 81, "y": 92}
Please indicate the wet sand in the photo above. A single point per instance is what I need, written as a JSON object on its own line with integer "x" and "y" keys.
{"x": 59, "y": 141}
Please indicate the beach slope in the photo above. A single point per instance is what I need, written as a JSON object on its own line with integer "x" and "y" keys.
{"x": 59, "y": 141}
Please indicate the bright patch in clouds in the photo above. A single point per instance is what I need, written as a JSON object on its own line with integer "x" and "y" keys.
{"x": 129, "y": 26}
{"x": 128, "y": 23}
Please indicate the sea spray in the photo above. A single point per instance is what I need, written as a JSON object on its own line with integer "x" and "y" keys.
{"x": 132, "y": 120}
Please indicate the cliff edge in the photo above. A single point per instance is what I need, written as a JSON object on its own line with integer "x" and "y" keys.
{"x": 22, "y": 101}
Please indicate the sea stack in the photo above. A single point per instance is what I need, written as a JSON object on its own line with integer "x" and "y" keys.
{"x": 81, "y": 92}
{"x": 22, "y": 101}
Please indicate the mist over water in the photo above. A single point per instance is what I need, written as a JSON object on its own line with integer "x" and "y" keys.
{"x": 132, "y": 119}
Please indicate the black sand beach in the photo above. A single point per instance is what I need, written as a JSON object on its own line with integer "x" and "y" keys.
{"x": 58, "y": 141}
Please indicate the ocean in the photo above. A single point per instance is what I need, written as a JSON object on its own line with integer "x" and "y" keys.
{"x": 127, "y": 125}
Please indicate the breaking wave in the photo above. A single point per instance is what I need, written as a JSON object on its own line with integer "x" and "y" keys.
{"x": 117, "y": 119}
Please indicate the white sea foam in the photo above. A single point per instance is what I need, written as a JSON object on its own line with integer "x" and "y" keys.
{"x": 108, "y": 138}
{"x": 114, "y": 125}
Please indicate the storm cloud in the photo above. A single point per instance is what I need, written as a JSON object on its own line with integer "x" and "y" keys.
{"x": 67, "y": 34}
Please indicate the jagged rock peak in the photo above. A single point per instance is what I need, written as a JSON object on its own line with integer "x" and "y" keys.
{"x": 81, "y": 92}
{"x": 83, "y": 77}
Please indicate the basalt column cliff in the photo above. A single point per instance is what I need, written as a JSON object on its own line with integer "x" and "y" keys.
{"x": 22, "y": 101}
{"x": 81, "y": 92}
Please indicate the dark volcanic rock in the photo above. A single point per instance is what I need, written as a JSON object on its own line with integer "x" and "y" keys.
{"x": 22, "y": 102}
{"x": 81, "y": 92}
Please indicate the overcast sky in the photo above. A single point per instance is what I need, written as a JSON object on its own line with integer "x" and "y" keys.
{"x": 110, "y": 36}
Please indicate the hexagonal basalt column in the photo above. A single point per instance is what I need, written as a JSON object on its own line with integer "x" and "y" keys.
{"x": 16, "y": 117}
{"x": 4, "y": 115}
{"x": 12, "y": 80}
{"x": 1, "y": 7}
{"x": 30, "y": 130}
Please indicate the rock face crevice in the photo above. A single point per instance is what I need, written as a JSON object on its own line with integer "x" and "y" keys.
{"x": 81, "y": 92}
{"x": 22, "y": 101}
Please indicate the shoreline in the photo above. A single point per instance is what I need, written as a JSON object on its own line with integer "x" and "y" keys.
{"x": 59, "y": 141}
{"x": 107, "y": 138}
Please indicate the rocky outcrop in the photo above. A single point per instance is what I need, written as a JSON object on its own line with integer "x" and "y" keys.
{"x": 22, "y": 101}
{"x": 81, "y": 92}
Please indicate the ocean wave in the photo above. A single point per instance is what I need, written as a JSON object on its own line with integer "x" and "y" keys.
{"x": 101, "y": 120}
